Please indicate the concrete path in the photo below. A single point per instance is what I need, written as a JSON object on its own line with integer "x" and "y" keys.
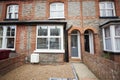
{"x": 83, "y": 72}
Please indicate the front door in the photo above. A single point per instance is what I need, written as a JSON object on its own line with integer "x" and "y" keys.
{"x": 75, "y": 47}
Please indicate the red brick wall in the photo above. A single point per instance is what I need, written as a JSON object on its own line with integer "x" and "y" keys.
{"x": 9, "y": 64}
{"x": 25, "y": 39}
{"x": 103, "y": 68}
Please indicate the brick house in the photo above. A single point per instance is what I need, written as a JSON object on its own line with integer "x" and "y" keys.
{"x": 60, "y": 30}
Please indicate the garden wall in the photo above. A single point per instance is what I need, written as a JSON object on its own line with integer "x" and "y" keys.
{"x": 9, "y": 64}
{"x": 103, "y": 68}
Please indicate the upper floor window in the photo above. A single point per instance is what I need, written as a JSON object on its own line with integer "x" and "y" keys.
{"x": 111, "y": 38}
{"x": 57, "y": 10}
{"x": 12, "y": 12}
{"x": 107, "y": 9}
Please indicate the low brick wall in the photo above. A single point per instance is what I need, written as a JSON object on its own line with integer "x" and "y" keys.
{"x": 50, "y": 58}
{"x": 103, "y": 68}
{"x": 9, "y": 64}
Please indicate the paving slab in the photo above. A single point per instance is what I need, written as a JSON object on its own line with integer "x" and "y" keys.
{"x": 83, "y": 72}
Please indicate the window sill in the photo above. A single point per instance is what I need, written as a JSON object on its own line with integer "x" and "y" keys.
{"x": 109, "y": 51}
{"x": 49, "y": 51}
{"x": 109, "y": 17}
{"x": 59, "y": 18}
{"x": 11, "y": 19}
{"x": 7, "y": 49}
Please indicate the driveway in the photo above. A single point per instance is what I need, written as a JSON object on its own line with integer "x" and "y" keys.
{"x": 65, "y": 71}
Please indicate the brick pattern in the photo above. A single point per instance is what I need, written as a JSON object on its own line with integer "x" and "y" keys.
{"x": 40, "y": 10}
{"x": 80, "y": 14}
{"x": 48, "y": 58}
{"x": 0, "y": 11}
{"x": 9, "y": 64}
{"x": 27, "y": 11}
{"x": 73, "y": 8}
{"x": 103, "y": 68}
{"x": 25, "y": 39}
{"x": 88, "y": 8}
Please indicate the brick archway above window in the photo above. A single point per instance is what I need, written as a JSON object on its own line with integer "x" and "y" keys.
{"x": 95, "y": 31}
{"x": 75, "y": 28}
{"x": 52, "y": 1}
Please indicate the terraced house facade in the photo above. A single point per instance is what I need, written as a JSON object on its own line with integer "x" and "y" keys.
{"x": 61, "y": 30}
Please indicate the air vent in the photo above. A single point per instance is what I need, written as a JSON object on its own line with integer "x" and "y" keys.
{"x": 34, "y": 58}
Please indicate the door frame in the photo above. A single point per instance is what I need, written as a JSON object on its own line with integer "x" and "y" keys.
{"x": 79, "y": 46}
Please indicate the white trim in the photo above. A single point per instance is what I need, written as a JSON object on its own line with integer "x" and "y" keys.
{"x": 79, "y": 46}
{"x": 49, "y": 51}
{"x": 4, "y": 38}
{"x": 106, "y": 8}
{"x": 61, "y": 50}
{"x": 55, "y": 10}
{"x": 12, "y": 11}
{"x": 91, "y": 42}
{"x": 112, "y": 36}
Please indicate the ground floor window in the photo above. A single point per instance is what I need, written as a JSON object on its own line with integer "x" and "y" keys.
{"x": 111, "y": 38}
{"x": 7, "y": 37}
{"x": 49, "y": 38}
{"x": 89, "y": 41}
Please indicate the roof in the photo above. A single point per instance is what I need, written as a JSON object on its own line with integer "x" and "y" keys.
{"x": 115, "y": 21}
{"x": 32, "y": 22}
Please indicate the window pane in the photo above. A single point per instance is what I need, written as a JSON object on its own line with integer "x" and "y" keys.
{"x": 42, "y": 43}
{"x": 42, "y": 31}
{"x": 55, "y": 31}
{"x": 109, "y": 5}
{"x": 16, "y": 8}
{"x": 102, "y": 13}
{"x": 10, "y": 8}
{"x": 117, "y": 30}
{"x": 110, "y": 12}
{"x": 102, "y": 6}
{"x": 107, "y": 32}
{"x": 60, "y": 14}
{"x": 117, "y": 43}
{"x": 11, "y": 31}
{"x": 108, "y": 44}
{"x": 10, "y": 42}
{"x": 16, "y": 15}
{"x": 55, "y": 43}
{"x": 0, "y": 42}
{"x": 1, "y": 31}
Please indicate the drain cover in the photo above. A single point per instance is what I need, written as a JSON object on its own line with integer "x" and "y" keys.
{"x": 60, "y": 79}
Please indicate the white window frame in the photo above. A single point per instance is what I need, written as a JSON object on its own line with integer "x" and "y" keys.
{"x": 5, "y": 37}
{"x": 106, "y": 8}
{"x": 61, "y": 37}
{"x": 112, "y": 37}
{"x": 13, "y": 10}
{"x": 56, "y": 9}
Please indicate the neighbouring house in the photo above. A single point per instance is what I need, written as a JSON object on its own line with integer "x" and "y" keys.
{"x": 60, "y": 30}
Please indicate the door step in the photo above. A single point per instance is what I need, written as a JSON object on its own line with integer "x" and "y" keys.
{"x": 74, "y": 60}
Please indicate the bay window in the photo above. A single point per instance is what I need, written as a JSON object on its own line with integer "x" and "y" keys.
{"x": 49, "y": 38}
{"x": 7, "y": 37}
{"x": 107, "y": 9}
{"x": 111, "y": 38}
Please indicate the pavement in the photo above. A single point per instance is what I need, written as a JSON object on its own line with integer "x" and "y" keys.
{"x": 82, "y": 72}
